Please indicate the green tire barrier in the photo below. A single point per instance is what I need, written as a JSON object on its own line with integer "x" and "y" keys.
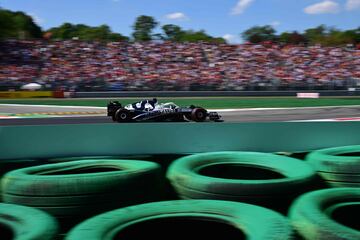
{"x": 327, "y": 214}
{"x": 164, "y": 160}
{"x": 9, "y": 165}
{"x": 184, "y": 219}
{"x": 25, "y": 223}
{"x": 83, "y": 188}
{"x": 339, "y": 166}
{"x": 71, "y": 159}
{"x": 240, "y": 176}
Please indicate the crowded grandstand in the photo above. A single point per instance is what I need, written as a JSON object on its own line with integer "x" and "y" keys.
{"x": 164, "y": 65}
{"x": 77, "y": 57}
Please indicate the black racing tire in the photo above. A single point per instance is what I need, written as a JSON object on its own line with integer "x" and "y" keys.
{"x": 344, "y": 160}
{"x": 198, "y": 114}
{"x": 25, "y": 223}
{"x": 225, "y": 173}
{"x": 185, "y": 218}
{"x": 313, "y": 214}
{"x": 123, "y": 115}
{"x": 78, "y": 177}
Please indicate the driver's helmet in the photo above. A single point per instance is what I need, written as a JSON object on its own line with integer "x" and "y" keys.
{"x": 148, "y": 106}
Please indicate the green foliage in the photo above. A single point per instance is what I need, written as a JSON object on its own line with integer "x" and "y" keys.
{"x": 197, "y": 36}
{"x": 175, "y": 33}
{"x": 84, "y": 32}
{"x": 316, "y": 35}
{"x": 324, "y": 35}
{"x": 260, "y": 34}
{"x": 292, "y": 38}
{"x": 18, "y": 25}
{"x": 172, "y": 32}
{"x": 329, "y": 36}
{"x": 143, "y": 28}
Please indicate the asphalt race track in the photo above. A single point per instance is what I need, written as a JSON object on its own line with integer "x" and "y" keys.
{"x": 89, "y": 115}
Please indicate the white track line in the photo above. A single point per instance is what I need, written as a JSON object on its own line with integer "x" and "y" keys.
{"x": 8, "y": 117}
{"x": 286, "y": 108}
{"x": 351, "y": 119}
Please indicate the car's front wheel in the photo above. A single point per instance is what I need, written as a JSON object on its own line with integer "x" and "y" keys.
{"x": 123, "y": 115}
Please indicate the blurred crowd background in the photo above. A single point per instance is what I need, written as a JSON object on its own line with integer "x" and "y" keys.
{"x": 83, "y": 58}
{"x": 86, "y": 66}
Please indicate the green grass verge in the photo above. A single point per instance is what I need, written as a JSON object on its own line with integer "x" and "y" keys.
{"x": 209, "y": 102}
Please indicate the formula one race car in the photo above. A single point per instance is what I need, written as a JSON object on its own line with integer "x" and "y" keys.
{"x": 151, "y": 110}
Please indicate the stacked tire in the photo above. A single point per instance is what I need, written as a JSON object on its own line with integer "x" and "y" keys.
{"x": 339, "y": 166}
{"x": 26, "y": 223}
{"x": 186, "y": 219}
{"x": 327, "y": 214}
{"x": 259, "y": 178}
{"x": 10, "y": 165}
{"x": 79, "y": 189}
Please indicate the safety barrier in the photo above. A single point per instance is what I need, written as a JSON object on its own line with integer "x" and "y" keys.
{"x": 322, "y": 93}
{"x": 172, "y": 138}
{"x": 26, "y": 94}
{"x": 62, "y": 94}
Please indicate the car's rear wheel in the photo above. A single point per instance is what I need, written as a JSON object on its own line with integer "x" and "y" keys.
{"x": 198, "y": 114}
{"x": 123, "y": 115}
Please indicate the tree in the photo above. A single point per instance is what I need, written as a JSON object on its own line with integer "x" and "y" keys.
{"x": 337, "y": 37}
{"x": 18, "y": 25}
{"x": 330, "y": 36}
{"x": 316, "y": 35}
{"x": 172, "y": 32}
{"x": 197, "y": 36}
{"x": 6, "y": 24}
{"x": 354, "y": 34}
{"x": 26, "y": 24}
{"x": 143, "y": 27}
{"x": 84, "y": 32}
{"x": 259, "y": 34}
{"x": 292, "y": 38}
{"x": 175, "y": 33}
{"x": 65, "y": 31}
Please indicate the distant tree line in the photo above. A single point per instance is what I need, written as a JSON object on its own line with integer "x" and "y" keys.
{"x": 324, "y": 35}
{"x": 20, "y": 25}
{"x": 84, "y": 32}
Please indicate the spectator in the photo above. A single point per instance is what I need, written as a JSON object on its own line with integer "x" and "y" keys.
{"x": 175, "y": 66}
